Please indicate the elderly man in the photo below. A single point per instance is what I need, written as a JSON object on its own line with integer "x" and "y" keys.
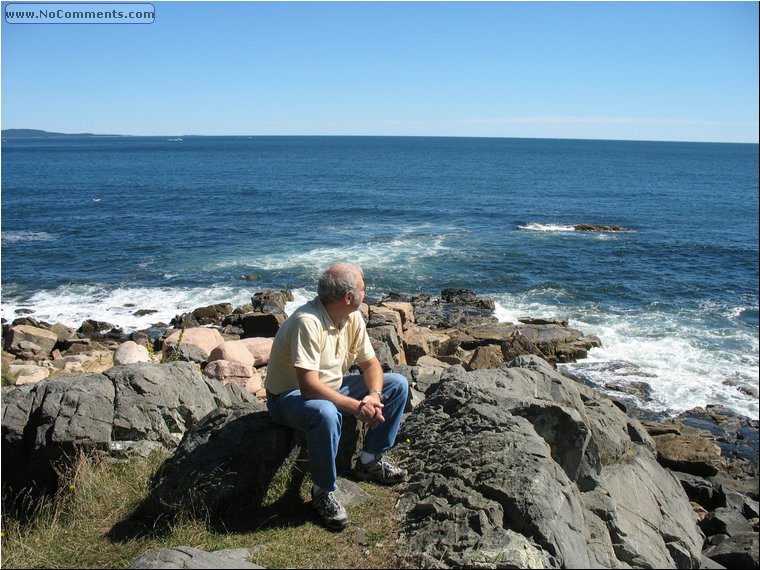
{"x": 308, "y": 387}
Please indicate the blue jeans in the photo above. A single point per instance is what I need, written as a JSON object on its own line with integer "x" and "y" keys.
{"x": 322, "y": 421}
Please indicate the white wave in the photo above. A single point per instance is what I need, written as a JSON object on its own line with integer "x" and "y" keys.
{"x": 406, "y": 250}
{"x": 504, "y": 314}
{"x": 71, "y": 305}
{"x": 685, "y": 363}
{"x": 300, "y": 297}
{"x": 537, "y": 227}
{"x": 26, "y": 235}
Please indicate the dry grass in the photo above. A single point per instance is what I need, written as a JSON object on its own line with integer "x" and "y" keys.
{"x": 74, "y": 528}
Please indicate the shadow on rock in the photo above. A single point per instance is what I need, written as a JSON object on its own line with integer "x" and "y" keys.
{"x": 237, "y": 471}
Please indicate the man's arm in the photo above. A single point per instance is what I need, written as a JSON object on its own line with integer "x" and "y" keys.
{"x": 368, "y": 409}
{"x": 373, "y": 373}
{"x": 313, "y": 389}
{"x": 365, "y": 410}
{"x": 373, "y": 378}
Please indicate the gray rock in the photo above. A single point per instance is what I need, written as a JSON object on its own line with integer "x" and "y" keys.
{"x": 525, "y": 451}
{"x": 49, "y": 422}
{"x": 598, "y": 228}
{"x": 94, "y": 329}
{"x": 349, "y": 493}
{"x": 725, "y": 520}
{"x": 259, "y": 324}
{"x": 185, "y": 352}
{"x": 740, "y": 551}
{"x": 446, "y": 315}
{"x": 383, "y": 354}
{"x": 701, "y": 491}
{"x": 271, "y": 300}
{"x": 160, "y": 402}
{"x": 212, "y": 314}
{"x": 226, "y": 464}
{"x": 189, "y": 557}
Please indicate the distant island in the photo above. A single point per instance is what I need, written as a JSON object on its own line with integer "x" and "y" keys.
{"x": 38, "y": 134}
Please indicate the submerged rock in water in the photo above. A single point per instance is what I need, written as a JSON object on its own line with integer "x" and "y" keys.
{"x": 598, "y": 228}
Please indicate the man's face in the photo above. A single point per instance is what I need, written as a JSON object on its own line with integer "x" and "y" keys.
{"x": 358, "y": 299}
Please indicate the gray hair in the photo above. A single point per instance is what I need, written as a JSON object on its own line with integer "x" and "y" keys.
{"x": 337, "y": 280}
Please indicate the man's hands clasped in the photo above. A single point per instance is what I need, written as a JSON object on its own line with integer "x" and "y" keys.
{"x": 370, "y": 410}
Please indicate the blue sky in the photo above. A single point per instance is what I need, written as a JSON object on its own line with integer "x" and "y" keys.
{"x": 640, "y": 70}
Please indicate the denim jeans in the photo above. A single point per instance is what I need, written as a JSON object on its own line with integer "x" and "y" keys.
{"x": 322, "y": 421}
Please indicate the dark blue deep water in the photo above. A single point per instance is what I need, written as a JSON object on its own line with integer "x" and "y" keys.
{"x": 101, "y": 227}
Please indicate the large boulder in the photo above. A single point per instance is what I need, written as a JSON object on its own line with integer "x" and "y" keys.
{"x": 554, "y": 342}
{"x": 261, "y": 324}
{"x": 228, "y": 372}
{"x": 260, "y": 348}
{"x": 383, "y": 316}
{"x": 421, "y": 341}
{"x": 225, "y": 465}
{"x": 126, "y": 410}
{"x": 404, "y": 309}
{"x": 232, "y": 351}
{"x": 233, "y": 363}
{"x": 688, "y": 453}
{"x": 271, "y": 300}
{"x": 522, "y": 467}
{"x": 387, "y": 335}
{"x": 212, "y": 314}
{"x": 599, "y": 228}
{"x": 455, "y": 308}
{"x": 130, "y": 353}
{"x": 27, "y": 373}
{"x": 94, "y": 329}
{"x": 43, "y": 340}
{"x": 204, "y": 338}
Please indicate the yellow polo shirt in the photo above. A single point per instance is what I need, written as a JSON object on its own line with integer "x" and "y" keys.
{"x": 308, "y": 339}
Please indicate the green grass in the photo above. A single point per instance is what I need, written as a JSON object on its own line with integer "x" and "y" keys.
{"x": 8, "y": 379}
{"x": 74, "y": 528}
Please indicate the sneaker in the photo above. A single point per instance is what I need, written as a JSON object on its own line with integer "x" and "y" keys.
{"x": 382, "y": 470}
{"x": 328, "y": 507}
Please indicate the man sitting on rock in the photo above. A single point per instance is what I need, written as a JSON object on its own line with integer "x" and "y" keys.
{"x": 308, "y": 389}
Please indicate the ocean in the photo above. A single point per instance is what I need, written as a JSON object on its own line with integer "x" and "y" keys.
{"x": 101, "y": 227}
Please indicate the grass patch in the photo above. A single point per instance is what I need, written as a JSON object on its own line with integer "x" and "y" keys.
{"x": 8, "y": 379}
{"x": 71, "y": 529}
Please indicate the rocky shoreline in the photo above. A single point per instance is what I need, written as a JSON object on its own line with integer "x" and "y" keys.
{"x": 193, "y": 376}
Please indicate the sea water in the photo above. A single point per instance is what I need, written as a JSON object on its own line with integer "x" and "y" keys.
{"x": 101, "y": 227}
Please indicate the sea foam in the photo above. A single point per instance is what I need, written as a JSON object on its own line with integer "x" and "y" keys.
{"x": 538, "y": 227}
{"x": 73, "y": 304}
{"x": 684, "y": 364}
{"x": 25, "y": 235}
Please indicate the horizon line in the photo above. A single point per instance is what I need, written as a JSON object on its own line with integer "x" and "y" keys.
{"x": 105, "y": 135}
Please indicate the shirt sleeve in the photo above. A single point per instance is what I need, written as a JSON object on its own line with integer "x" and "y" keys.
{"x": 305, "y": 345}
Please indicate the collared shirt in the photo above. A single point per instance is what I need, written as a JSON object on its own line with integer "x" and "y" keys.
{"x": 309, "y": 339}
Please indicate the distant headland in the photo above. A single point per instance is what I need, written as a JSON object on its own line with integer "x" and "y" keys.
{"x": 39, "y": 134}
